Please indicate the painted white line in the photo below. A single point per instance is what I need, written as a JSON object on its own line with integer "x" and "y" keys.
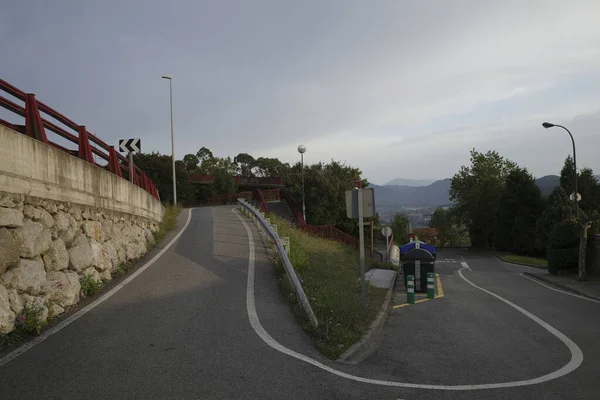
{"x": 45, "y": 335}
{"x": 465, "y": 265}
{"x": 576, "y": 354}
{"x": 558, "y": 290}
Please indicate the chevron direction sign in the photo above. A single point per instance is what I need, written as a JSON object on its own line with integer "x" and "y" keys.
{"x": 130, "y": 145}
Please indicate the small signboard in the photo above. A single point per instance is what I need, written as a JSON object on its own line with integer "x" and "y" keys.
{"x": 130, "y": 145}
{"x": 285, "y": 242}
{"x": 368, "y": 202}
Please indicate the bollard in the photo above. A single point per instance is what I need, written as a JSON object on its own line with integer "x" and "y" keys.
{"x": 430, "y": 286}
{"x": 410, "y": 289}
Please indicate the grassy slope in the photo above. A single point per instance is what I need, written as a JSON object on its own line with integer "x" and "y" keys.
{"x": 330, "y": 274}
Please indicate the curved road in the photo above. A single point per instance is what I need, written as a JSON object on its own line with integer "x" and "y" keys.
{"x": 205, "y": 320}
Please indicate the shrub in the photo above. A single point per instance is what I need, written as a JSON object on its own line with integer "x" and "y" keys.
{"x": 563, "y": 246}
{"x": 561, "y": 259}
{"x": 89, "y": 286}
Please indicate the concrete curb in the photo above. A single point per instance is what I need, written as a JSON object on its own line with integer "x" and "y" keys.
{"x": 372, "y": 339}
{"x": 520, "y": 264}
{"x": 560, "y": 285}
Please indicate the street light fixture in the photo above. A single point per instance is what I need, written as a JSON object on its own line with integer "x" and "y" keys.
{"x": 550, "y": 125}
{"x": 170, "y": 78}
{"x": 302, "y": 150}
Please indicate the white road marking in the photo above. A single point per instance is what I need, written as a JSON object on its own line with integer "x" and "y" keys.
{"x": 574, "y": 363}
{"x": 558, "y": 290}
{"x": 465, "y": 265}
{"x": 45, "y": 335}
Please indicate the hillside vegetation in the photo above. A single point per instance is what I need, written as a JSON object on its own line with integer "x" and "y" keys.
{"x": 330, "y": 274}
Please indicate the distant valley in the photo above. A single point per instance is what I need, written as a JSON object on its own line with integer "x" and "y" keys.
{"x": 419, "y": 201}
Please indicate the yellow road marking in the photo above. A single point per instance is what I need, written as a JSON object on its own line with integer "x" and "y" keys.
{"x": 440, "y": 291}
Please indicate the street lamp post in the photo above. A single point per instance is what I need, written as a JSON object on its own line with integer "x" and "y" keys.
{"x": 302, "y": 150}
{"x": 549, "y": 125}
{"x": 170, "y": 78}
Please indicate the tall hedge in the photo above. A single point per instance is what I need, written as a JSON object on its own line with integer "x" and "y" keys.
{"x": 563, "y": 246}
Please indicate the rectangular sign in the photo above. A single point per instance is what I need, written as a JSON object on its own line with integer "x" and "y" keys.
{"x": 368, "y": 200}
{"x": 130, "y": 145}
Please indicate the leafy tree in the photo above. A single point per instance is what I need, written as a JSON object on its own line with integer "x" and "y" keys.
{"x": 325, "y": 192}
{"x": 450, "y": 230}
{"x": 558, "y": 208}
{"x": 587, "y": 185}
{"x": 519, "y": 207}
{"x": 399, "y": 227}
{"x": 190, "y": 162}
{"x": 271, "y": 167}
{"x": 475, "y": 190}
{"x": 245, "y": 163}
{"x": 159, "y": 168}
{"x": 207, "y": 160}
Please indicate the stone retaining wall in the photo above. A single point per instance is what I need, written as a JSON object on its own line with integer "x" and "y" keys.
{"x": 47, "y": 247}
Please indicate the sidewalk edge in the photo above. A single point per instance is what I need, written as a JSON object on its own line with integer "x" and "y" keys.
{"x": 560, "y": 285}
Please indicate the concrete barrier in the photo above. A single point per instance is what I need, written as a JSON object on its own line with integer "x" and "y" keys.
{"x": 32, "y": 168}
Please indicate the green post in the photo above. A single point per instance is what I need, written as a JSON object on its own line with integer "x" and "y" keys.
{"x": 430, "y": 286}
{"x": 410, "y": 289}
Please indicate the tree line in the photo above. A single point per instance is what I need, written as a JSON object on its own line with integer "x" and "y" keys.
{"x": 501, "y": 207}
{"x": 325, "y": 183}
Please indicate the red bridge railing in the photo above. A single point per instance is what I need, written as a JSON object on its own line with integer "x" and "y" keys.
{"x": 38, "y": 128}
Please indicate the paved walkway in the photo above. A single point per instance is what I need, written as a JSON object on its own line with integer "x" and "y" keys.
{"x": 589, "y": 289}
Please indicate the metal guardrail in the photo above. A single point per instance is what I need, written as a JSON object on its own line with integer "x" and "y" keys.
{"x": 287, "y": 265}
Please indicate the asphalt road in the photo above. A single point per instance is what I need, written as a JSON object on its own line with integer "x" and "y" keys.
{"x": 203, "y": 322}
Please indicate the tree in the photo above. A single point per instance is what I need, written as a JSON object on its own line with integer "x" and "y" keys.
{"x": 450, "y": 231}
{"x": 558, "y": 208}
{"x": 475, "y": 190}
{"x": 519, "y": 207}
{"x": 325, "y": 192}
{"x": 245, "y": 163}
{"x": 399, "y": 227}
{"x": 207, "y": 160}
{"x": 190, "y": 162}
{"x": 270, "y": 167}
{"x": 159, "y": 168}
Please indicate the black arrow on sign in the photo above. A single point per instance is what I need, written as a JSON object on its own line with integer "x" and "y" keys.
{"x": 130, "y": 145}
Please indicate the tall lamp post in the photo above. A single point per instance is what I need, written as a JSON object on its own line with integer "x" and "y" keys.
{"x": 170, "y": 78}
{"x": 302, "y": 150}
{"x": 576, "y": 194}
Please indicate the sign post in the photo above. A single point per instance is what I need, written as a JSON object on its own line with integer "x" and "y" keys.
{"x": 387, "y": 232}
{"x": 130, "y": 146}
{"x": 361, "y": 239}
{"x": 360, "y": 203}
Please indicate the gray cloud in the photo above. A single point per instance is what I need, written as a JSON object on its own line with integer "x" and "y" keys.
{"x": 345, "y": 77}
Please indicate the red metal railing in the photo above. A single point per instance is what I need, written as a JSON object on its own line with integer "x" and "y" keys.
{"x": 258, "y": 197}
{"x": 200, "y": 178}
{"x": 37, "y": 127}
{"x": 285, "y": 195}
{"x": 229, "y": 198}
{"x": 244, "y": 180}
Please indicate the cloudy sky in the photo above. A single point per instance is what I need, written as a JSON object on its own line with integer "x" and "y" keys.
{"x": 397, "y": 88}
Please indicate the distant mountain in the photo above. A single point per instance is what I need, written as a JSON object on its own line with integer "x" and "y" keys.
{"x": 437, "y": 193}
{"x": 431, "y": 195}
{"x": 410, "y": 182}
{"x": 547, "y": 183}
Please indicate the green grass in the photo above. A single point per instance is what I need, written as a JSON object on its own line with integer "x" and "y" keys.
{"x": 330, "y": 274}
{"x": 525, "y": 260}
{"x": 169, "y": 221}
